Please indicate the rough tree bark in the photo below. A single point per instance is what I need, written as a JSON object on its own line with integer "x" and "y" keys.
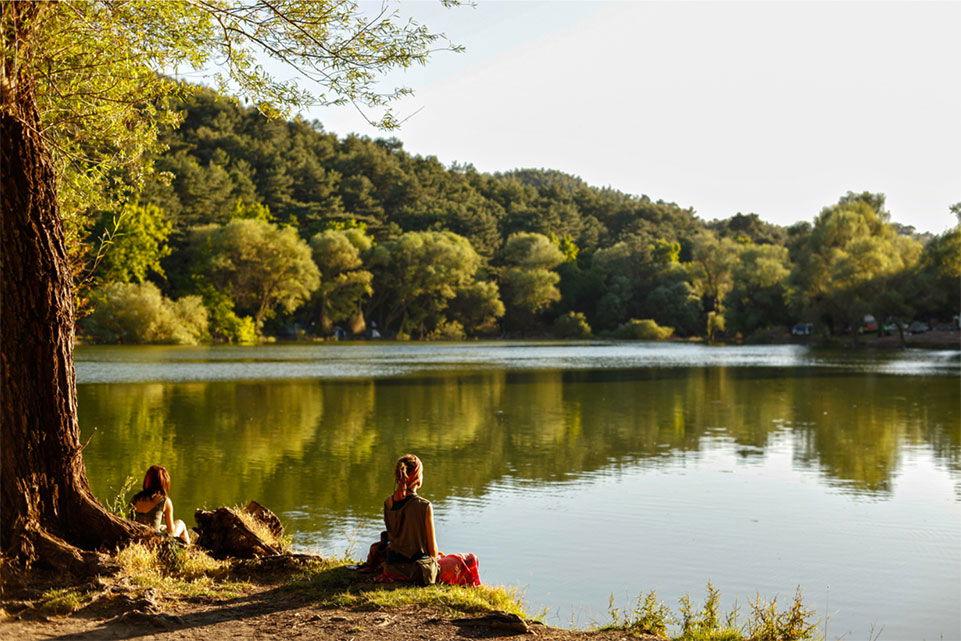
{"x": 48, "y": 515}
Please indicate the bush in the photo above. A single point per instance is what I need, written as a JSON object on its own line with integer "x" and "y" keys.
{"x": 447, "y": 330}
{"x": 139, "y": 313}
{"x": 644, "y": 330}
{"x": 571, "y": 325}
{"x": 227, "y": 327}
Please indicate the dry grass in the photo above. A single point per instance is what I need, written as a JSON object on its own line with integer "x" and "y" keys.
{"x": 257, "y": 527}
{"x": 179, "y": 572}
{"x": 62, "y": 601}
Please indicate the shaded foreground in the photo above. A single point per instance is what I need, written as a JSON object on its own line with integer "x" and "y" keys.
{"x": 166, "y": 592}
{"x": 162, "y": 589}
{"x": 289, "y": 597}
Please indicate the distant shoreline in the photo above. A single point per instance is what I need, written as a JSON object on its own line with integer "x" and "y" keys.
{"x": 934, "y": 339}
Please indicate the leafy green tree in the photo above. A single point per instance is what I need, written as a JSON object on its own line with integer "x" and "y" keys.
{"x": 642, "y": 278}
{"x": 81, "y": 104}
{"x": 477, "y": 306}
{"x": 415, "y": 277}
{"x": 527, "y": 282}
{"x": 759, "y": 288}
{"x": 841, "y": 269}
{"x": 139, "y": 313}
{"x": 571, "y": 325}
{"x": 672, "y": 301}
{"x": 529, "y": 291}
{"x": 344, "y": 285}
{"x": 526, "y": 250}
{"x": 262, "y": 267}
{"x": 750, "y": 228}
{"x": 936, "y": 291}
{"x": 712, "y": 268}
{"x": 136, "y": 241}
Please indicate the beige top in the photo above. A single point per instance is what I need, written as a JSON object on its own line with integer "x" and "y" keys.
{"x": 410, "y": 527}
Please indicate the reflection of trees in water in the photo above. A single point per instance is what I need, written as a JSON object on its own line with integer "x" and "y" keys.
{"x": 331, "y": 446}
{"x": 220, "y": 440}
{"x": 856, "y": 427}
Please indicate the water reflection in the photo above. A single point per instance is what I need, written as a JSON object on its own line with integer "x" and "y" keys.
{"x": 329, "y": 445}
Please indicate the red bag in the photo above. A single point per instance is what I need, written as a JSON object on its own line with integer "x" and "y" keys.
{"x": 459, "y": 569}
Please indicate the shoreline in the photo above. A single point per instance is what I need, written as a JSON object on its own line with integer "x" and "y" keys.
{"x": 934, "y": 340}
{"x": 276, "y": 607}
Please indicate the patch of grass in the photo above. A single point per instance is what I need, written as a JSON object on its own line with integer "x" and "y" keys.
{"x": 119, "y": 505}
{"x": 261, "y": 530}
{"x": 768, "y": 624}
{"x": 178, "y": 571}
{"x": 452, "y": 599}
{"x": 61, "y": 601}
{"x": 330, "y": 582}
{"x": 648, "y": 616}
{"x": 765, "y": 623}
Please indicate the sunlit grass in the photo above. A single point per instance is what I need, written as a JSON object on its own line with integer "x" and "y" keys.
{"x": 764, "y": 623}
{"x": 330, "y": 582}
{"x": 62, "y": 601}
{"x": 259, "y": 528}
{"x": 179, "y": 572}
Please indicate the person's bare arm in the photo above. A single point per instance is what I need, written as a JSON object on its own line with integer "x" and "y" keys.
{"x": 169, "y": 516}
{"x": 431, "y": 538}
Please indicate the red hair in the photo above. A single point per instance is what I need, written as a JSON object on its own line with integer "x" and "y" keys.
{"x": 407, "y": 473}
{"x": 157, "y": 480}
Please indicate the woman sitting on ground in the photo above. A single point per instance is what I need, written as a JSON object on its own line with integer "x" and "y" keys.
{"x": 412, "y": 549}
{"x": 152, "y": 506}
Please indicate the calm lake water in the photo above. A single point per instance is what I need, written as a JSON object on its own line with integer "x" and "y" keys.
{"x": 577, "y": 471}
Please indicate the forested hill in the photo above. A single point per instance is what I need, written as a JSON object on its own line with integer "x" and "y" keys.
{"x": 225, "y": 156}
{"x": 265, "y": 226}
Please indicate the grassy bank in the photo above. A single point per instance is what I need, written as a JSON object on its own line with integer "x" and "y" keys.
{"x": 171, "y": 578}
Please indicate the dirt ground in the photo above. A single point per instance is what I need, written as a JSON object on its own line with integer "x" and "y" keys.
{"x": 270, "y": 613}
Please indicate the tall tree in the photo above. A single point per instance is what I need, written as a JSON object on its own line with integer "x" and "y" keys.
{"x": 338, "y": 254}
{"x": 843, "y": 267}
{"x": 79, "y": 97}
{"x": 415, "y": 277}
{"x": 262, "y": 267}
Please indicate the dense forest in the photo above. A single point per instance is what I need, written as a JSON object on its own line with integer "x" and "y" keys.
{"x": 254, "y": 228}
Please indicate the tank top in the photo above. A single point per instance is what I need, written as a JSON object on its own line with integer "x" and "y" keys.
{"x": 406, "y": 523}
{"x": 152, "y": 517}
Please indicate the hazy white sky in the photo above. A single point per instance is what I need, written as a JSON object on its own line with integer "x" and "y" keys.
{"x": 776, "y": 108}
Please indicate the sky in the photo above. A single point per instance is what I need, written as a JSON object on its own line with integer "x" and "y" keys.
{"x": 776, "y": 108}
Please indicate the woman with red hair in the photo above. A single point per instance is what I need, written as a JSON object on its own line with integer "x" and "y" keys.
{"x": 152, "y": 506}
{"x": 412, "y": 549}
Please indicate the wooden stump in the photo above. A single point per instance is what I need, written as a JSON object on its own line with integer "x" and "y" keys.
{"x": 223, "y": 532}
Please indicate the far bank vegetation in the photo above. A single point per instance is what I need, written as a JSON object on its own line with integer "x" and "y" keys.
{"x": 256, "y": 228}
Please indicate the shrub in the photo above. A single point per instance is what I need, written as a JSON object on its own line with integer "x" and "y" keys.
{"x": 139, "y": 313}
{"x": 644, "y": 330}
{"x": 571, "y": 325}
{"x": 447, "y": 330}
{"x": 227, "y": 326}
{"x": 191, "y": 319}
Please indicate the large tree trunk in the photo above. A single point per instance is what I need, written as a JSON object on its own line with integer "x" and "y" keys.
{"x": 47, "y": 510}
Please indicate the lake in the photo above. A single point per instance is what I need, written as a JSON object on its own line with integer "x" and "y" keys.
{"x": 577, "y": 470}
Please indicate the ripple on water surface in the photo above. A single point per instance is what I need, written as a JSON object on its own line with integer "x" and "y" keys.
{"x": 375, "y": 360}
